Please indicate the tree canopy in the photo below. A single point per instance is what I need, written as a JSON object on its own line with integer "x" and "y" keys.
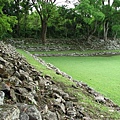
{"x": 6, "y": 22}
{"x": 44, "y": 19}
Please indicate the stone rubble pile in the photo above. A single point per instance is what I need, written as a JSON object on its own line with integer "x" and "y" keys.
{"x": 65, "y": 44}
{"x": 75, "y": 45}
{"x": 51, "y": 45}
{"x": 104, "y": 45}
{"x": 50, "y": 66}
{"x": 25, "y": 94}
{"x": 97, "y": 96}
{"x": 51, "y": 48}
{"x": 76, "y": 54}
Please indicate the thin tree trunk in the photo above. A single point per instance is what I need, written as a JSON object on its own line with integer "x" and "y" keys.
{"x": 18, "y": 18}
{"x": 109, "y": 2}
{"x": 115, "y": 36}
{"x": 18, "y": 29}
{"x": 25, "y": 23}
{"x": 92, "y": 32}
{"x": 103, "y": 2}
{"x": 106, "y": 30}
{"x": 44, "y": 30}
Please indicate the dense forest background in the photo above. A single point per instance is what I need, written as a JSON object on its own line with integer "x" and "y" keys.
{"x": 43, "y": 19}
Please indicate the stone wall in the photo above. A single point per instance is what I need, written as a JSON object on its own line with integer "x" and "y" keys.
{"x": 97, "y": 96}
{"x": 25, "y": 94}
{"x": 64, "y": 44}
{"x": 76, "y": 54}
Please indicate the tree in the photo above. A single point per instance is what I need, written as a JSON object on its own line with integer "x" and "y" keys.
{"x": 112, "y": 16}
{"x": 107, "y": 10}
{"x": 45, "y": 9}
{"x": 89, "y": 12}
{"x": 6, "y": 21}
{"x": 25, "y": 7}
{"x": 66, "y": 22}
{"x": 12, "y": 8}
{"x": 33, "y": 25}
{"x": 116, "y": 30}
{"x": 116, "y": 19}
{"x": 17, "y": 12}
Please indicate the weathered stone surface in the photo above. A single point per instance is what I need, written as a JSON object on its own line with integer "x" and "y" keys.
{"x": 2, "y": 95}
{"x": 59, "y": 107}
{"x": 77, "y": 54}
{"x": 33, "y": 113}
{"x": 50, "y": 116}
{"x": 12, "y": 95}
{"x": 100, "y": 99}
{"x": 24, "y": 116}
{"x": 30, "y": 111}
{"x": 71, "y": 44}
{"x": 9, "y": 112}
{"x": 27, "y": 87}
{"x": 71, "y": 112}
{"x": 5, "y": 86}
{"x": 2, "y": 61}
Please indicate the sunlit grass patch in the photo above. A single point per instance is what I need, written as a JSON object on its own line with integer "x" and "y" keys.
{"x": 95, "y": 110}
{"x": 100, "y": 73}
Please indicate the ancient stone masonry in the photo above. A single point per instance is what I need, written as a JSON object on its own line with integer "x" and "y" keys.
{"x": 76, "y": 54}
{"x": 65, "y": 44}
{"x": 97, "y": 96}
{"x": 93, "y": 45}
{"x": 25, "y": 94}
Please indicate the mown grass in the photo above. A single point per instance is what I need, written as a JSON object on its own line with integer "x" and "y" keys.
{"x": 100, "y": 73}
{"x": 95, "y": 110}
{"x": 42, "y": 68}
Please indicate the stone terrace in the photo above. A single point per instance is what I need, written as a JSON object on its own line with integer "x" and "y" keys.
{"x": 25, "y": 94}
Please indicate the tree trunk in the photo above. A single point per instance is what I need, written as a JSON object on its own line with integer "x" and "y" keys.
{"x": 25, "y": 24}
{"x": 106, "y": 30}
{"x": 18, "y": 18}
{"x": 90, "y": 33}
{"x": 44, "y": 30}
{"x": 109, "y": 2}
{"x": 103, "y": 2}
{"x": 115, "y": 36}
{"x": 18, "y": 28}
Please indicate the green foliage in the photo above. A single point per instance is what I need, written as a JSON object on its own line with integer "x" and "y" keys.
{"x": 34, "y": 21}
{"x": 91, "y": 15}
{"x": 45, "y": 10}
{"x": 33, "y": 25}
{"x": 116, "y": 28}
{"x": 89, "y": 12}
{"x": 116, "y": 3}
{"x": 87, "y": 18}
{"x": 65, "y": 23}
{"x": 6, "y": 22}
{"x": 49, "y": 9}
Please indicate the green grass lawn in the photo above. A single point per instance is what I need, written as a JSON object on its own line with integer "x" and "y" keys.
{"x": 100, "y": 73}
{"x": 94, "y": 109}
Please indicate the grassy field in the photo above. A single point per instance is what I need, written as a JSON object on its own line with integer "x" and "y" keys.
{"x": 94, "y": 109}
{"x": 100, "y": 73}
